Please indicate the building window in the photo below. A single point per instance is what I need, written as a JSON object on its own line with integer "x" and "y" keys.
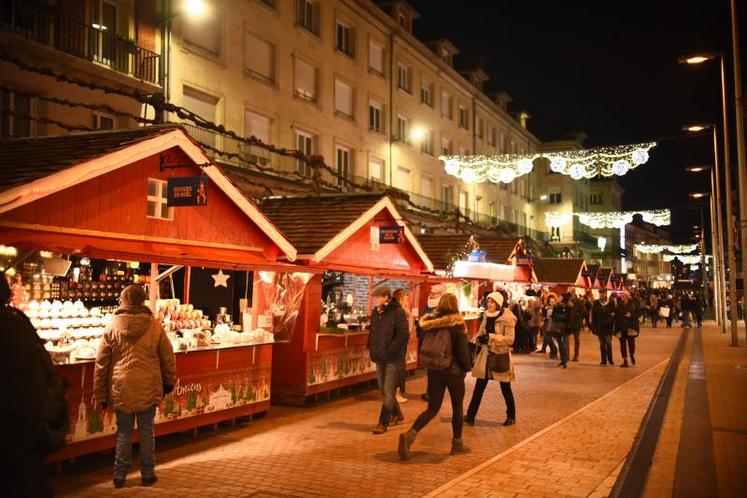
{"x": 157, "y": 200}
{"x": 345, "y": 39}
{"x": 445, "y": 105}
{"x": 426, "y": 94}
{"x": 305, "y": 145}
{"x": 403, "y": 77}
{"x": 492, "y": 212}
{"x": 480, "y": 126}
{"x": 595, "y": 199}
{"x": 376, "y": 169}
{"x": 492, "y": 136}
{"x": 404, "y": 21}
{"x": 259, "y": 58}
{"x": 257, "y": 126}
{"x": 447, "y": 196}
{"x": 375, "y": 116}
{"x": 426, "y": 146}
{"x": 555, "y": 233}
{"x": 402, "y": 123}
{"x": 375, "y": 57}
{"x": 402, "y": 180}
{"x": 426, "y": 187}
{"x": 205, "y": 106}
{"x": 502, "y": 148}
{"x": 342, "y": 162}
{"x": 463, "y": 117}
{"x": 103, "y": 121}
{"x": 307, "y": 15}
{"x": 445, "y": 146}
{"x": 305, "y": 76}
{"x": 464, "y": 202}
{"x": 17, "y": 125}
{"x": 203, "y": 33}
{"x": 344, "y": 100}
{"x": 555, "y": 198}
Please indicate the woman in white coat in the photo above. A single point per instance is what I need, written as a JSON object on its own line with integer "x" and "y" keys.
{"x": 497, "y": 334}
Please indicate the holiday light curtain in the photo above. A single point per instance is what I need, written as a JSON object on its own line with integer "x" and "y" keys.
{"x": 578, "y": 164}
{"x": 693, "y": 259}
{"x": 656, "y": 248}
{"x": 613, "y": 219}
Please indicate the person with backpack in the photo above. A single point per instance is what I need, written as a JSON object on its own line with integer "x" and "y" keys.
{"x": 34, "y": 417}
{"x": 387, "y": 346}
{"x": 135, "y": 368}
{"x": 445, "y": 356}
{"x": 497, "y": 334}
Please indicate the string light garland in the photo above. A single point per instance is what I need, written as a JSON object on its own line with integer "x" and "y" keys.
{"x": 656, "y": 248}
{"x": 578, "y": 164}
{"x": 692, "y": 259}
{"x": 613, "y": 219}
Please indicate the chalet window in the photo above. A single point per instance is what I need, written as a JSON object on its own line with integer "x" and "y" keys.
{"x": 17, "y": 124}
{"x": 102, "y": 121}
{"x": 157, "y": 202}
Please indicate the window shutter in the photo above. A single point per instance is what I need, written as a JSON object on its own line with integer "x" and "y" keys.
{"x": 343, "y": 98}
{"x": 259, "y": 56}
{"x": 305, "y": 79}
{"x": 375, "y": 57}
{"x": 257, "y": 125}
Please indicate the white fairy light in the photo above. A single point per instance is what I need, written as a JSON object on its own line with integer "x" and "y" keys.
{"x": 614, "y": 219}
{"x": 694, "y": 267}
{"x": 649, "y": 248}
{"x": 507, "y": 175}
{"x": 685, "y": 260}
{"x": 682, "y": 249}
{"x": 468, "y": 175}
{"x": 656, "y": 248}
{"x": 556, "y": 218}
{"x": 578, "y": 164}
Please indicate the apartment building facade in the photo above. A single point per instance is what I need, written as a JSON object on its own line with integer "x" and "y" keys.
{"x": 111, "y": 43}
{"x": 348, "y": 80}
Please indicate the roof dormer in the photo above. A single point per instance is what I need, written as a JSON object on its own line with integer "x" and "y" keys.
{"x": 476, "y": 77}
{"x": 402, "y": 12}
{"x": 445, "y": 50}
{"x": 502, "y": 99}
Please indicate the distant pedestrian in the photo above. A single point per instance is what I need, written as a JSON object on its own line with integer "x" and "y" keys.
{"x": 135, "y": 368}
{"x": 387, "y": 345}
{"x": 699, "y": 309}
{"x": 626, "y": 327}
{"x": 560, "y": 329}
{"x": 534, "y": 311}
{"x": 602, "y": 325}
{"x": 576, "y": 321}
{"x": 551, "y": 299}
{"x": 401, "y": 296}
{"x": 497, "y": 334}
{"x": 445, "y": 334}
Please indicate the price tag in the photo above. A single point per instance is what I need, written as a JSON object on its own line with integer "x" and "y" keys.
{"x": 264, "y": 321}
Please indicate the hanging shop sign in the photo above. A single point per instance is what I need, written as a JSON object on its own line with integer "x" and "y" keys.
{"x": 391, "y": 234}
{"x": 477, "y": 256}
{"x": 187, "y": 191}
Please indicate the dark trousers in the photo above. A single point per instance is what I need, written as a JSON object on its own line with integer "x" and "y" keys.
{"x": 627, "y": 343}
{"x": 654, "y": 318}
{"x": 508, "y": 397}
{"x": 563, "y": 342}
{"x": 402, "y": 375}
{"x": 576, "y": 343}
{"x": 605, "y": 348}
{"x": 438, "y": 383}
{"x": 549, "y": 340}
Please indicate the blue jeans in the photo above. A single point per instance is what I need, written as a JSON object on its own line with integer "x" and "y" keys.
{"x": 563, "y": 347}
{"x": 388, "y": 377}
{"x": 123, "y": 451}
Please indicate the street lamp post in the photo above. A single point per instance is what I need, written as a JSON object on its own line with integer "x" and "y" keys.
{"x": 729, "y": 231}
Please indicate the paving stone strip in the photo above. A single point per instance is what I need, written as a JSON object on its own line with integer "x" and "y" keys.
{"x": 572, "y": 457}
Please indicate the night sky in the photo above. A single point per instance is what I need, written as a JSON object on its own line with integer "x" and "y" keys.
{"x": 610, "y": 74}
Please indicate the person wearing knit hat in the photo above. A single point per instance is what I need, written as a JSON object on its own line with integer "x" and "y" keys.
{"x": 135, "y": 368}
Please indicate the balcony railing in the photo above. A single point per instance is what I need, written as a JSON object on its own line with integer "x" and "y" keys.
{"x": 228, "y": 150}
{"x": 45, "y": 25}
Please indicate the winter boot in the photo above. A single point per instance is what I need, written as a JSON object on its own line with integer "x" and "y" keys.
{"x": 405, "y": 441}
{"x": 625, "y": 363}
{"x": 457, "y": 447}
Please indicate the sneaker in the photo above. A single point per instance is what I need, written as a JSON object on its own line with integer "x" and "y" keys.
{"x": 148, "y": 481}
{"x": 625, "y": 363}
{"x": 457, "y": 447}
{"x": 509, "y": 421}
{"x": 379, "y": 429}
{"x": 118, "y": 483}
{"x": 400, "y": 399}
{"x": 575, "y": 358}
{"x": 397, "y": 419}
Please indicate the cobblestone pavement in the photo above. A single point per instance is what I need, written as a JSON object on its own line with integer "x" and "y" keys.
{"x": 328, "y": 449}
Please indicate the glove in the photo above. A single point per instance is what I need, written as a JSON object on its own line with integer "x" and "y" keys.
{"x": 103, "y": 405}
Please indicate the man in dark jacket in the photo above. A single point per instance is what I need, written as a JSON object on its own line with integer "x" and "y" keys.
{"x": 602, "y": 322}
{"x": 387, "y": 345}
{"x": 576, "y": 321}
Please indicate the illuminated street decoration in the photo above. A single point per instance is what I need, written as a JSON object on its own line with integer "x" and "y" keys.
{"x": 578, "y": 164}
{"x": 614, "y": 219}
{"x": 693, "y": 259}
{"x": 656, "y": 248}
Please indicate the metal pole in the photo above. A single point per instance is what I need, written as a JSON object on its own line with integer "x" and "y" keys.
{"x": 732, "y": 265}
{"x": 704, "y": 278}
{"x": 715, "y": 250}
{"x": 742, "y": 163}
{"x": 716, "y": 185}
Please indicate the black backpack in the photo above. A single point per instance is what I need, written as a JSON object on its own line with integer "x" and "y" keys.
{"x": 436, "y": 352}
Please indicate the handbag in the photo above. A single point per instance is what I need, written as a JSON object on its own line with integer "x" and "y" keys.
{"x": 555, "y": 328}
{"x": 664, "y": 311}
{"x": 498, "y": 362}
{"x": 479, "y": 370}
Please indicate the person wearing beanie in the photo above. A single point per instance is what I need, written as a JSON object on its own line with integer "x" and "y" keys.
{"x": 387, "y": 346}
{"x": 135, "y": 368}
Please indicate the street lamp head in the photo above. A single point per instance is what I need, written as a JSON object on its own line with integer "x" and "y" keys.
{"x": 417, "y": 133}
{"x": 699, "y": 195}
{"x": 194, "y": 8}
{"x": 543, "y": 197}
{"x": 697, "y": 169}
{"x": 696, "y": 59}
{"x": 697, "y": 127}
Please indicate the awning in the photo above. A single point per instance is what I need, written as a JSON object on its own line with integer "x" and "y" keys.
{"x": 492, "y": 271}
